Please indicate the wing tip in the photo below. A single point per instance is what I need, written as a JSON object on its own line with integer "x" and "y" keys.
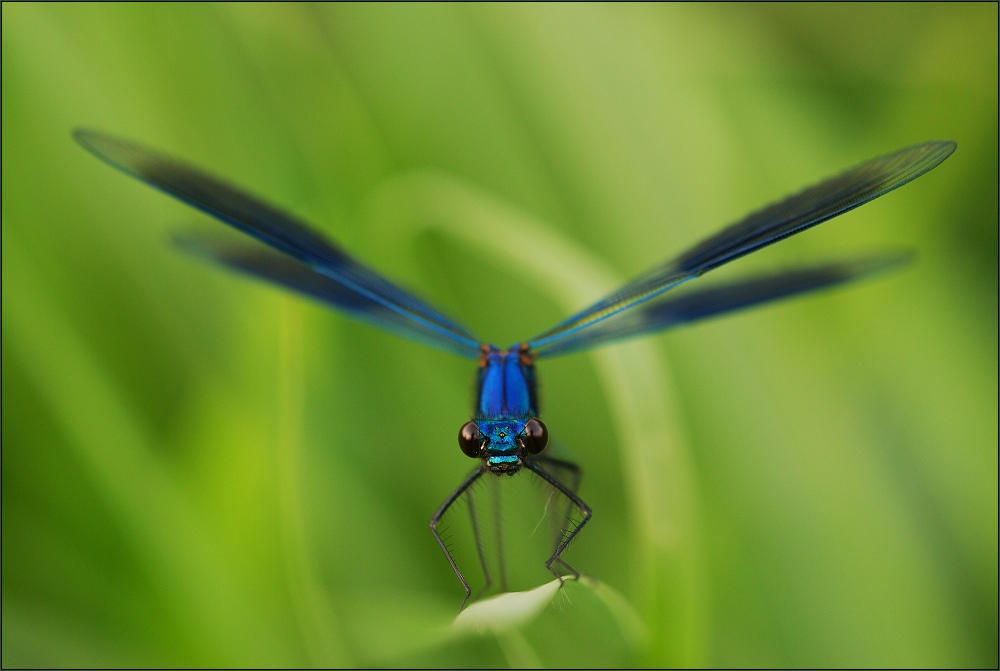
{"x": 113, "y": 150}
{"x": 193, "y": 244}
{"x": 942, "y": 149}
{"x": 886, "y": 261}
{"x": 93, "y": 140}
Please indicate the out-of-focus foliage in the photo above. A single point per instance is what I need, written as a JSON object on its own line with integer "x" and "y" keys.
{"x": 199, "y": 470}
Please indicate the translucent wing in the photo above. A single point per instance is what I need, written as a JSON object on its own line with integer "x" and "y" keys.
{"x": 266, "y": 263}
{"x": 775, "y": 222}
{"x": 663, "y": 313}
{"x": 344, "y": 280}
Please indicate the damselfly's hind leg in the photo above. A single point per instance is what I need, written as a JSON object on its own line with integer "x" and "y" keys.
{"x": 575, "y": 500}
{"x": 437, "y": 518}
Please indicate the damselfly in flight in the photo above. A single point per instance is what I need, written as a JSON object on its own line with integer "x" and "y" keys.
{"x": 505, "y": 434}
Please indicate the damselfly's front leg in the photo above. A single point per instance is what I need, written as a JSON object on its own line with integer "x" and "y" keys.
{"x": 554, "y": 465}
{"x": 480, "y": 550}
{"x": 498, "y": 530}
{"x": 437, "y": 518}
{"x": 576, "y": 501}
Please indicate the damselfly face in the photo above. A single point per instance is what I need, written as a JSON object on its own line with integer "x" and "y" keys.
{"x": 503, "y": 444}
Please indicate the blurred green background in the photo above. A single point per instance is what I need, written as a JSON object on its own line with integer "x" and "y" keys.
{"x": 200, "y": 470}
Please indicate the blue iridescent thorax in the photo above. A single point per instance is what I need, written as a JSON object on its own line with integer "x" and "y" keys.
{"x": 505, "y": 402}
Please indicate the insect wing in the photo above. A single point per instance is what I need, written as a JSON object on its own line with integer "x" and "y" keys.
{"x": 263, "y": 262}
{"x": 812, "y": 206}
{"x": 375, "y": 294}
{"x": 666, "y": 312}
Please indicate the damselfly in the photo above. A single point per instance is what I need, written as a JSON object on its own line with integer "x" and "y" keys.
{"x": 505, "y": 434}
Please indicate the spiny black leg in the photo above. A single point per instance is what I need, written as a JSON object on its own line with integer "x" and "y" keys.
{"x": 556, "y": 523}
{"x": 488, "y": 579}
{"x": 498, "y": 524}
{"x": 584, "y": 510}
{"x": 437, "y": 518}
{"x": 574, "y": 485}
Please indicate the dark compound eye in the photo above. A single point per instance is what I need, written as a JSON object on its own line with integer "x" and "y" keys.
{"x": 536, "y": 436}
{"x": 470, "y": 440}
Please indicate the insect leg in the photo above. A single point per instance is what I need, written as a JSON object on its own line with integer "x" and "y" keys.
{"x": 576, "y": 501}
{"x": 575, "y": 474}
{"x": 498, "y": 523}
{"x": 480, "y": 550}
{"x": 437, "y": 518}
